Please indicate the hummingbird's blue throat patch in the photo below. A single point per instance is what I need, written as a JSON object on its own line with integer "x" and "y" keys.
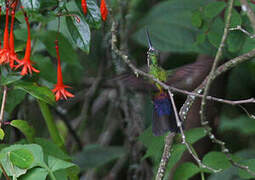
{"x": 162, "y": 106}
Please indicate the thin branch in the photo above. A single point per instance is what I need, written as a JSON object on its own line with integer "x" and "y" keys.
{"x": 3, "y": 106}
{"x": 179, "y": 124}
{"x": 165, "y": 156}
{"x": 216, "y": 62}
{"x": 243, "y": 30}
{"x": 4, "y": 172}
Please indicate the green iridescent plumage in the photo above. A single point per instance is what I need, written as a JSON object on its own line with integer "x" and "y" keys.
{"x": 152, "y": 60}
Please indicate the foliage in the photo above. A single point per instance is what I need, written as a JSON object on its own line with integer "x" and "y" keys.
{"x": 105, "y": 130}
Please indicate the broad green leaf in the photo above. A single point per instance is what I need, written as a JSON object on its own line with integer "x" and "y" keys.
{"x": 39, "y": 92}
{"x": 80, "y": 32}
{"x": 236, "y": 19}
{"x": 167, "y": 32}
{"x": 251, "y": 164}
{"x": 49, "y": 148}
{"x": 9, "y": 77}
{"x": 93, "y": 16}
{"x": 35, "y": 174}
{"x": 25, "y": 128}
{"x": 1, "y": 134}
{"x": 196, "y": 19}
{"x": 94, "y": 156}
{"x": 154, "y": 144}
{"x": 10, "y": 169}
{"x": 67, "y": 52}
{"x": 213, "y": 9}
{"x": 45, "y": 65}
{"x": 56, "y": 164}
{"x": 15, "y": 97}
{"x": 200, "y": 38}
{"x": 215, "y": 32}
{"x": 195, "y": 134}
{"x": 235, "y": 41}
{"x": 192, "y": 136}
{"x": 242, "y": 124}
{"x": 22, "y": 158}
{"x": 217, "y": 160}
{"x": 186, "y": 171}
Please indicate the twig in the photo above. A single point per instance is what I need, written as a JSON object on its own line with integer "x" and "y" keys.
{"x": 165, "y": 156}
{"x": 216, "y": 62}
{"x": 243, "y": 30}
{"x": 3, "y": 106}
{"x": 179, "y": 124}
{"x": 4, "y": 172}
{"x": 246, "y": 8}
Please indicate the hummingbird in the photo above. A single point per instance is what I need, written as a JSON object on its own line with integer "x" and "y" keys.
{"x": 163, "y": 115}
{"x": 187, "y": 77}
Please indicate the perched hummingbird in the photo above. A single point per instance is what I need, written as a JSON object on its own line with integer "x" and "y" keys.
{"x": 163, "y": 115}
{"x": 187, "y": 77}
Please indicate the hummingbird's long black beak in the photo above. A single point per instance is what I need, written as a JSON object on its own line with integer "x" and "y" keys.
{"x": 149, "y": 40}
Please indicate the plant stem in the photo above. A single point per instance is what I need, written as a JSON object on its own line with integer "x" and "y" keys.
{"x": 54, "y": 133}
{"x": 3, "y": 106}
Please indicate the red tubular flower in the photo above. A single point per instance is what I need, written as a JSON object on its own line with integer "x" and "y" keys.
{"x": 13, "y": 55}
{"x": 103, "y": 10}
{"x": 60, "y": 89}
{"x": 5, "y": 51}
{"x": 84, "y": 6}
{"x": 26, "y": 62}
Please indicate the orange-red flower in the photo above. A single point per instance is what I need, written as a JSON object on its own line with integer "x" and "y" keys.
{"x": 13, "y": 55}
{"x": 103, "y": 10}
{"x": 5, "y": 51}
{"x": 84, "y": 6}
{"x": 60, "y": 89}
{"x": 26, "y": 62}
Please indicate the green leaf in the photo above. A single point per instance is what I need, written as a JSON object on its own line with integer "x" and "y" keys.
{"x": 25, "y": 128}
{"x": 217, "y": 160}
{"x": 154, "y": 144}
{"x": 196, "y": 19}
{"x": 186, "y": 171}
{"x": 192, "y": 136}
{"x": 35, "y": 174}
{"x": 21, "y": 158}
{"x": 49, "y": 148}
{"x": 94, "y": 156}
{"x": 200, "y": 38}
{"x": 39, "y": 92}
{"x": 93, "y": 17}
{"x": 80, "y": 32}
{"x": 11, "y": 170}
{"x": 167, "y": 32}
{"x": 67, "y": 52}
{"x": 216, "y": 31}
{"x": 15, "y": 97}
{"x": 45, "y": 65}
{"x": 213, "y": 9}
{"x": 251, "y": 164}
{"x": 235, "y": 41}
{"x": 195, "y": 134}
{"x": 56, "y": 164}
{"x": 242, "y": 124}
{"x": 1, "y": 134}
{"x": 235, "y": 20}
{"x": 9, "y": 77}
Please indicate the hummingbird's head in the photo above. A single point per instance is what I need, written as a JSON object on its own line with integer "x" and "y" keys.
{"x": 152, "y": 53}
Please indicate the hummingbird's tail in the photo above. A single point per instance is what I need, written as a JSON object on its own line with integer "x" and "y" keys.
{"x": 163, "y": 115}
